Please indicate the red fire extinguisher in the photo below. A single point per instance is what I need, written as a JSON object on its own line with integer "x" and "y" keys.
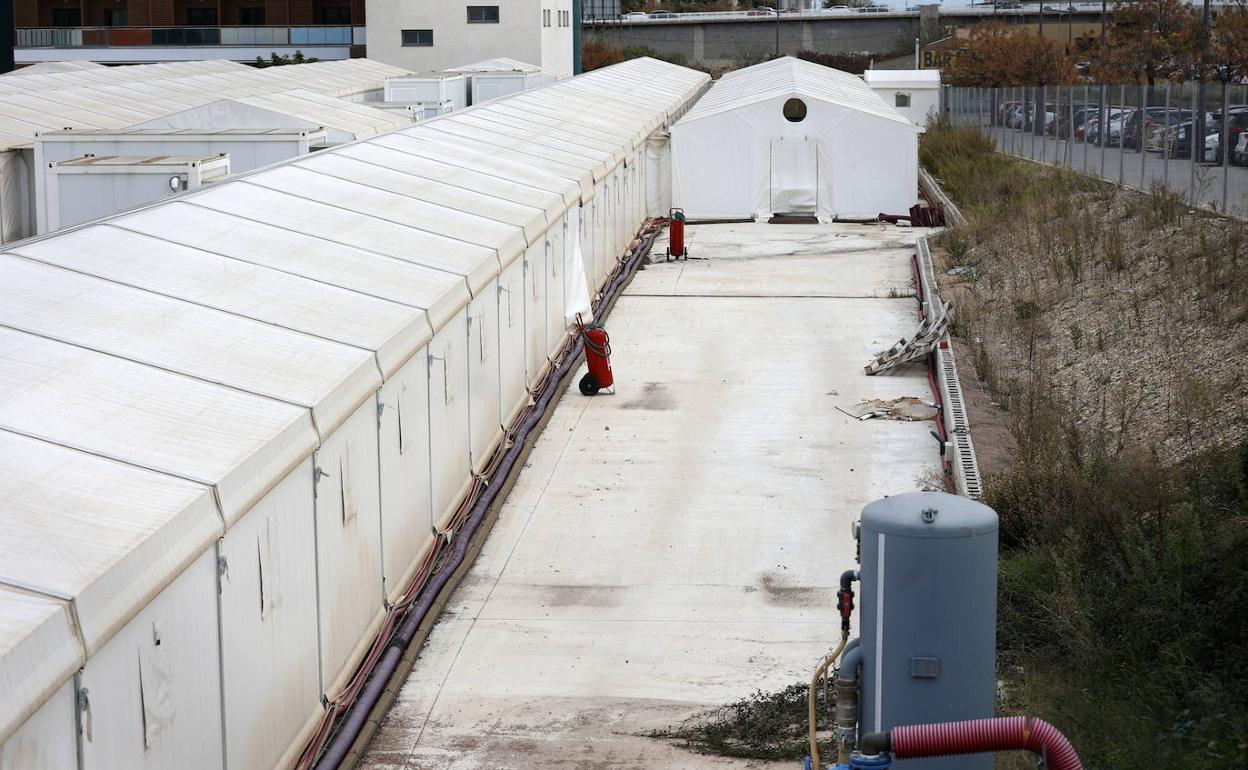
{"x": 676, "y": 235}
{"x": 597, "y": 358}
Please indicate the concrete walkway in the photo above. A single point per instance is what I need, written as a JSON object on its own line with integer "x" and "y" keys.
{"x": 676, "y": 546}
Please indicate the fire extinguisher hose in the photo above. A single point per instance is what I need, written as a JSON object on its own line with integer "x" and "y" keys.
{"x": 604, "y": 349}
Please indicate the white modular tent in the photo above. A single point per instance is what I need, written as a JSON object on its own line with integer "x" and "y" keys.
{"x": 792, "y": 137}
{"x": 233, "y": 421}
{"x": 915, "y": 93}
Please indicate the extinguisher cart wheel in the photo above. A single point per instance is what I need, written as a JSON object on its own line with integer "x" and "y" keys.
{"x": 589, "y": 385}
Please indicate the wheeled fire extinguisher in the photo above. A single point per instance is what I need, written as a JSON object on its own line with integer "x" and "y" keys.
{"x": 597, "y": 358}
{"x": 676, "y": 235}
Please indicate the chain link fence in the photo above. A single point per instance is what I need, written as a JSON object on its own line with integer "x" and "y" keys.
{"x": 1138, "y": 136}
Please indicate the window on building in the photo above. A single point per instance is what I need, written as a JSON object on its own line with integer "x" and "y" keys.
{"x": 795, "y": 110}
{"x": 114, "y": 17}
{"x": 201, "y": 17}
{"x": 483, "y": 14}
{"x": 545, "y": 18}
{"x": 251, "y": 16}
{"x": 335, "y": 14}
{"x": 418, "y": 37}
{"x": 901, "y": 100}
{"x": 66, "y": 17}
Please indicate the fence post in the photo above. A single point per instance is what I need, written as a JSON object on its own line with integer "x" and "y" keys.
{"x": 1224, "y": 144}
{"x": 1165, "y": 142}
{"x": 1191, "y": 181}
{"x": 1122, "y": 132}
{"x": 1142, "y": 139}
{"x": 1086, "y": 105}
{"x": 1103, "y": 128}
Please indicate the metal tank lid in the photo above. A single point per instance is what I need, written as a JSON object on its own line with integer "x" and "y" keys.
{"x": 929, "y": 514}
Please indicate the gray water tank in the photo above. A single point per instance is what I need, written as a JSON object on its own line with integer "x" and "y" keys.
{"x": 928, "y": 615}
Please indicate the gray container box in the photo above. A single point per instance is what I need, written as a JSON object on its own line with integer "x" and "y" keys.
{"x": 929, "y": 614}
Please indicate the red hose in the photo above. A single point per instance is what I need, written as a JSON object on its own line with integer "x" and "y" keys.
{"x": 980, "y": 735}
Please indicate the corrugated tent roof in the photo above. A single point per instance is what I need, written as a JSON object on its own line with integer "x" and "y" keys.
{"x": 141, "y": 93}
{"x": 162, "y": 369}
{"x": 501, "y": 64}
{"x": 790, "y": 77}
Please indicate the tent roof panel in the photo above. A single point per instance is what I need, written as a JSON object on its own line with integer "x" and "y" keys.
{"x": 105, "y": 535}
{"x": 789, "y": 77}
{"x": 438, "y": 292}
{"x": 528, "y": 219}
{"x": 39, "y": 652}
{"x": 474, "y": 179}
{"x": 329, "y": 378}
{"x": 352, "y": 228}
{"x": 240, "y": 443}
{"x": 503, "y": 241}
{"x": 261, "y": 294}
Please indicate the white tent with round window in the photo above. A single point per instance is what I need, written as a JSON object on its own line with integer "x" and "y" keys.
{"x": 792, "y": 137}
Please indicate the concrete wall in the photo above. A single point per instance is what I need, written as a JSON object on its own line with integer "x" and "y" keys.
{"x": 519, "y": 34}
{"x": 734, "y": 42}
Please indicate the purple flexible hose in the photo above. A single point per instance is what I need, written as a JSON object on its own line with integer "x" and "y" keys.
{"x": 349, "y": 729}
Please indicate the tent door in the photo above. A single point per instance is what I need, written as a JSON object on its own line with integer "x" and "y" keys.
{"x": 794, "y": 175}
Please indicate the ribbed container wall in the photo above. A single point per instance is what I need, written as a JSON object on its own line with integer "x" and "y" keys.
{"x": 928, "y": 615}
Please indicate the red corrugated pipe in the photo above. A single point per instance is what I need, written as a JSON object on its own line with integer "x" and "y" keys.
{"x": 976, "y": 736}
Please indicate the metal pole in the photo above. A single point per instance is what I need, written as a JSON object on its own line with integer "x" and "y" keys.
{"x": 1191, "y": 181}
{"x": 1165, "y": 142}
{"x": 1086, "y": 105}
{"x": 1122, "y": 135}
{"x": 1142, "y": 139}
{"x": 1223, "y": 144}
{"x": 1103, "y": 128}
{"x": 1042, "y": 113}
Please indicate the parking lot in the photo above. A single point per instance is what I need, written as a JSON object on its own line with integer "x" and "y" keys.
{"x": 1211, "y": 185}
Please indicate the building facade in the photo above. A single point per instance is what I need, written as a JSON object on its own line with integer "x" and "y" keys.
{"x": 432, "y": 36}
{"x": 420, "y": 36}
{"x": 127, "y": 31}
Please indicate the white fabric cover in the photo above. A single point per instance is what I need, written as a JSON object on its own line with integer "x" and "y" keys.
{"x": 736, "y": 156}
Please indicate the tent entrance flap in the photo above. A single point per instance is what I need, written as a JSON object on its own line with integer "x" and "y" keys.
{"x": 794, "y": 176}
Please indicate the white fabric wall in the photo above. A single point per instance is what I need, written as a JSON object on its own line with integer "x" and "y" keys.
{"x": 722, "y": 164}
{"x": 536, "y": 290}
{"x": 270, "y": 665}
{"x": 14, "y": 197}
{"x": 48, "y": 740}
{"x": 348, "y": 543}
{"x": 448, "y": 415}
{"x": 403, "y": 441}
{"x": 155, "y": 688}
{"x": 511, "y": 341}
{"x": 483, "y": 374}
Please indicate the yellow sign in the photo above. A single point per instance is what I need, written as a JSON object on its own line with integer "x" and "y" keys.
{"x": 936, "y": 59}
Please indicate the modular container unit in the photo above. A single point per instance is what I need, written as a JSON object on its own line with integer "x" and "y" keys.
{"x": 80, "y": 190}
{"x": 432, "y": 87}
{"x": 325, "y": 350}
{"x": 247, "y": 149}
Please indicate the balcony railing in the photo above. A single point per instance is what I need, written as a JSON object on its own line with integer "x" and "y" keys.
{"x": 120, "y": 37}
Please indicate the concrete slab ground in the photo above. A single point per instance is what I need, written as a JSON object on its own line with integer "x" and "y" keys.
{"x": 676, "y": 546}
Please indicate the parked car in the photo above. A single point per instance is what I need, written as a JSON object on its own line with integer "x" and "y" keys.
{"x": 1114, "y": 118}
{"x": 663, "y": 15}
{"x": 1003, "y": 110}
{"x": 762, "y": 10}
{"x": 1237, "y": 123}
{"x": 1240, "y": 156}
{"x": 1142, "y": 122}
{"x": 634, "y": 15}
{"x": 874, "y": 9}
{"x": 1181, "y": 142}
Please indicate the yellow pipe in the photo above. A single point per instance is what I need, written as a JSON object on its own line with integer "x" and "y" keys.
{"x": 812, "y": 695}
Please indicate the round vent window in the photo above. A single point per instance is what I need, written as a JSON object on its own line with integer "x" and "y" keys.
{"x": 795, "y": 110}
